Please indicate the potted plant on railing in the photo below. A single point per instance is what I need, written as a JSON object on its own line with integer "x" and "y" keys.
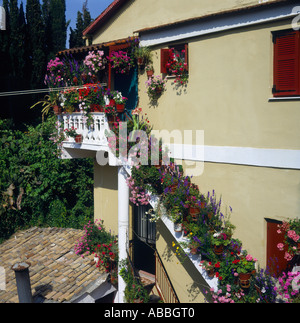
{"x": 120, "y": 61}
{"x": 50, "y": 101}
{"x": 71, "y": 133}
{"x": 120, "y": 101}
{"x": 209, "y": 267}
{"x": 219, "y": 241}
{"x": 176, "y": 216}
{"x": 70, "y": 100}
{"x": 245, "y": 268}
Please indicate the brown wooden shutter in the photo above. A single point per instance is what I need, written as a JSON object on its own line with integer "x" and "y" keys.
{"x": 164, "y": 57}
{"x": 275, "y": 258}
{"x": 186, "y": 47}
{"x": 286, "y": 63}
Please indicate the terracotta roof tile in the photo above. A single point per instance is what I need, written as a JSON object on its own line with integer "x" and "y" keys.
{"x": 56, "y": 272}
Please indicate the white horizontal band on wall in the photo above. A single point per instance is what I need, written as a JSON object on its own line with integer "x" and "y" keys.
{"x": 217, "y": 24}
{"x": 277, "y": 158}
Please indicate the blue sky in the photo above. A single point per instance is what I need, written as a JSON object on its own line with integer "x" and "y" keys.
{"x": 95, "y": 7}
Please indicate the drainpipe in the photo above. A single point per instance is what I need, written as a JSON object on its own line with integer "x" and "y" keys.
{"x": 23, "y": 282}
{"x": 123, "y": 226}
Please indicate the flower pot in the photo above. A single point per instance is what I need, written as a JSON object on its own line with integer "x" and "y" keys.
{"x": 218, "y": 250}
{"x": 178, "y": 227}
{"x": 120, "y": 108}
{"x": 57, "y": 110}
{"x": 244, "y": 280}
{"x": 210, "y": 272}
{"x": 158, "y": 90}
{"x": 194, "y": 212}
{"x": 140, "y": 61}
{"x": 150, "y": 73}
{"x": 78, "y": 139}
{"x": 138, "y": 301}
{"x": 194, "y": 251}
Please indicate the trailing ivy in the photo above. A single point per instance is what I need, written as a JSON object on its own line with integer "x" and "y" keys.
{"x": 37, "y": 188}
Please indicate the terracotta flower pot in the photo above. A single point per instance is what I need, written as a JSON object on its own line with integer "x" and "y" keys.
{"x": 78, "y": 139}
{"x": 57, "y": 110}
{"x": 244, "y": 280}
{"x": 120, "y": 108}
{"x": 218, "y": 250}
{"x": 150, "y": 73}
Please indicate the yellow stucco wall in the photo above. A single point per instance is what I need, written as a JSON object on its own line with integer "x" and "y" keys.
{"x": 140, "y": 14}
{"x": 106, "y": 196}
{"x": 186, "y": 280}
{"x": 230, "y": 83}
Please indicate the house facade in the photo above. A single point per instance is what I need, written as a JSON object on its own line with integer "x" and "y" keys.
{"x": 241, "y": 98}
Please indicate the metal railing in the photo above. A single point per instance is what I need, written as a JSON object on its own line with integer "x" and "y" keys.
{"x": 163, "y": 283}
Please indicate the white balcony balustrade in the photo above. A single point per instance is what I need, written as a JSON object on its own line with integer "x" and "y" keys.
{"x": 93, "y": 134}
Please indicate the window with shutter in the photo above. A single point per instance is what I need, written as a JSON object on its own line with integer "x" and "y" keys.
{"x": 181, "y": 50}
{"x": 286, "y": 63}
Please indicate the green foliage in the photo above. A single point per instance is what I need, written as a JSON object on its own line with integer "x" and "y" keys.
{"x": 134, "y": 289}
{"x": 37, "y": 188}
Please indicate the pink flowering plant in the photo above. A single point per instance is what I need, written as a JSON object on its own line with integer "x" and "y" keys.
{"x": 94, "y": 234}
{"x": 95, "y": 61}
{"x": 120, "y": 61}
{"x": 155, "y": 87}
{"x": 106, "y": 255}
{"x": 289, "y": 287}
{"x": 71, "y": 132}
{"x": 291, "y": 242}
{"x": 245, "y": 264}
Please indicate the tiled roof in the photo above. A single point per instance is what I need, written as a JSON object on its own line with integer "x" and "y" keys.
{"x": 56, "y": 272}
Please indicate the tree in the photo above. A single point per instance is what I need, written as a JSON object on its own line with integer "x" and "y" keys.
{"x": 36, "y": 30}
{"x": 58, "y": 25}
{"x": 83, "y": 20}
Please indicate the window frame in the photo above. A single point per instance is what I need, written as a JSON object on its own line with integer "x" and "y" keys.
{"x": 178, "y": 50}
{"x": 286, "y": 63}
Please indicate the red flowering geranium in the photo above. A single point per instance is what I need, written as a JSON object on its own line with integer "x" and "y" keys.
{"x": 177, "y": 66}
{"x": 105, "y": 255}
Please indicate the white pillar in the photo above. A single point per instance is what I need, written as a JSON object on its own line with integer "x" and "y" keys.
{"x": 123, "y": 225}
